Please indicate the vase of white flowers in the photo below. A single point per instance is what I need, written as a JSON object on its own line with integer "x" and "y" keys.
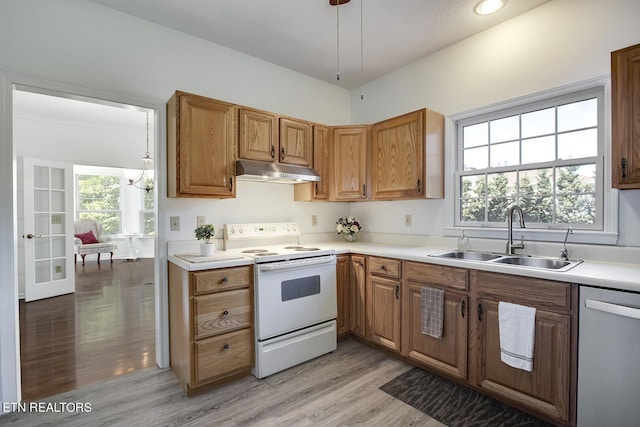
{"x": 349, "y": 227}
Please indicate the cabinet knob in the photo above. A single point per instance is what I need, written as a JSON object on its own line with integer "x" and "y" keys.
{"x": 273, "y": 152}
{"x": 397, "y": 291}
{"x": 224, "y": 280}
{"x": 282, "y": 153}
{"x": 382, "y": 267}
{"x": 419, "y": 186}
{"x": 226, "y": 347}
{"x": 364, "y": 190}
{"x": 230, "y": 183}
{"x": 463, "y": 304}
{"x": 316, "y": 186}
{"x": 225, "y": 313}
{"x": 623, "y": 167}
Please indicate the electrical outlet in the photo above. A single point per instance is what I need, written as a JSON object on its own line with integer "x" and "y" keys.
{"x": 174, "y": 223}
{"x": 314, "y": 220}
{"x": 200, "y": 221}
{"x": 407, "y": 220}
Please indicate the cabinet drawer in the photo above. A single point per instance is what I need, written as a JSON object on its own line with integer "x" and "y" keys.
{"x": 430, "y": 274}
{"x": 223, "y": 355}
{"x": 384, "y": 267}
{"x": 539, "y": 293}
{"x": 222, "y": 279}
{"x": 221, "y": 312}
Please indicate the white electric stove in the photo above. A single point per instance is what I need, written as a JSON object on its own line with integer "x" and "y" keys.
{"x": 295, "y": 294}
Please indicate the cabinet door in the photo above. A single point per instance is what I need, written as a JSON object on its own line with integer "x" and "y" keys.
{"x": 447, "y": 354}
{"x": 201, "y": 146}
{"x": 546, "y": 389}
{"x": 296, "y": 143}
{"x": 383, "y": 312}
{"x": 349, "y": 154}
{"x": 318, "y": 190}
{"x": 625, "y": 117}
{"x": 398, "y": 157}
{"x": 258, "y": 135}
{"x": 408, "y": 157}
{"x": 343, "y": 289}
{"x": 357, "y": 303}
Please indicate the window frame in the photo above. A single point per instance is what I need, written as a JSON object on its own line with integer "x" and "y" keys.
{"x": 98, "y": 171}
{"x": 605, "y": 233}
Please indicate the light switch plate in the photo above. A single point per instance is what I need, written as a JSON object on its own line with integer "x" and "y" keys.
{"x": 407, "y": 220}
{"x": 174, "y": 223}
{"x": 314, "y": 220}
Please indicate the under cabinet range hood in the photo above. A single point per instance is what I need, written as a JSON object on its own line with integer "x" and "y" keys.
{"x": 249, "y": 170}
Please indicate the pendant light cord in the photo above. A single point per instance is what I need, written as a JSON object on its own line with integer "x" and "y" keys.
{"x": 338, "y": 41}
{"x": 361, "y": 54}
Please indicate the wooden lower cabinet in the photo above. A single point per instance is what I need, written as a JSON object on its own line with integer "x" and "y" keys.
{"x": 343, "y": 282}
{"x": 383, "y": 302}
{"x": 357, "y": 302}
{"x": 211, "y": 334}
{"x": 549, "y": 389}
{"x": 447, "y": 355}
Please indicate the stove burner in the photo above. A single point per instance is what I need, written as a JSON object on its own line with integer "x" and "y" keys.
{"x": 301, "y": 249}
{"x": 254, "y": 251}
{"x": 265, "y": 253}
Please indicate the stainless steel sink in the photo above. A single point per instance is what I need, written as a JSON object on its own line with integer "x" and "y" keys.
{"x": 468, "y": 255}
{"x": 520, "y": 261}
{"x": 537, "y": 262}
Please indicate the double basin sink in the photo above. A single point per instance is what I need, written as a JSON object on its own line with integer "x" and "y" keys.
{"x": 523, "y": 261}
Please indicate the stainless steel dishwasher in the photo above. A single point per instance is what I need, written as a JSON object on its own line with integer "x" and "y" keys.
{"x": 608, "y": 358}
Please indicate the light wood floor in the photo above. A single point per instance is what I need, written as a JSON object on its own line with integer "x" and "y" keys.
{"x": 105, "y": 329}
{"x": 338, "y": 389}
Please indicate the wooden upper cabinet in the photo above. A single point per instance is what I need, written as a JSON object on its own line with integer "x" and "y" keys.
{"x": 319, "y": 190}
{"x": 201, "y": 147}
{"x": 258, "y": 135}
{"x": 625, "y": 117}
{"x": 408, "y": 157}
{"x": 349, "y": 149}
{"x": 296, "y": 143}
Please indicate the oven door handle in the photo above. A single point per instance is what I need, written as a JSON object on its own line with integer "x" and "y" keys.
{"x": 298, "y": 263}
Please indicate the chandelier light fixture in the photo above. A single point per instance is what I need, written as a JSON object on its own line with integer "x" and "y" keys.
{"x": 144, "y": 182}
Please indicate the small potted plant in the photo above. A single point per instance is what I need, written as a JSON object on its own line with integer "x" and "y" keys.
{"x": 205, "y": 233}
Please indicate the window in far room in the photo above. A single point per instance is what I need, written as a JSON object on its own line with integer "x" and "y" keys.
{"x": 545, "y": 156}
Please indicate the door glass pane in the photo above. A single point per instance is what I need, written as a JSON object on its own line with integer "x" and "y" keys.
{"x": 576, "y": 145}
{"x": 43, "y": 270}
{"x": 506, "y": 129}
{"x": 537, "y": 150}
{"x": 41, "y": 246}
{"x": 578, "y": 115}
{"x": 506, "y": 154}
{"x": 475, "y": 158}
{"x": 41, "y": 224}
{"x": 57, "y": 178}
{"x": 59, "y": 272}
{"x": 41, "y": 200}
{"x": 475, "y": 135}
{"x": 57, "y": 223}
{"x": 57, "y": 201}
{"x": 539, "y": 122}
{"x": 40, "y": 177}
{"x": 58, "y": 246}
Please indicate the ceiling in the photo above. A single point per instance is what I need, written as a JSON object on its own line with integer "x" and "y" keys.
{"x": 301, "y": 34}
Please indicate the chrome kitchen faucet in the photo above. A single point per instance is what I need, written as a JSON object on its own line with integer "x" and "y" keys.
{"x": 510, "y": 245}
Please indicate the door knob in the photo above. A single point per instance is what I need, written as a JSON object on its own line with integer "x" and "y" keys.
{"x": 31, "y": 236}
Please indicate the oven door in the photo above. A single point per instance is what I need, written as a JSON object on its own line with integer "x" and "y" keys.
{"x": 292, "y": 295}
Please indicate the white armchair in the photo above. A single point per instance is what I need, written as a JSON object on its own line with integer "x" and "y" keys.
{"x": 89, "y": 240}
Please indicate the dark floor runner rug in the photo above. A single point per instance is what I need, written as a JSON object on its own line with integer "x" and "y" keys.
{"x": 454, "y": 405}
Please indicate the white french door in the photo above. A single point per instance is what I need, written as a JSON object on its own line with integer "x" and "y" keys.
{"x": 48, "y": 229}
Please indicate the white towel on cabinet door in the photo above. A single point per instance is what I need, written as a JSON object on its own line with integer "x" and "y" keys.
{"x": 517, "y": 325}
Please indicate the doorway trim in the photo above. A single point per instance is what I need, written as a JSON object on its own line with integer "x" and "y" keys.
{"x": 10, "y": 389}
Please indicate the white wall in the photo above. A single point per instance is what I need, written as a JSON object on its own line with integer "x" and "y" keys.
{"x": 556, "y": 44}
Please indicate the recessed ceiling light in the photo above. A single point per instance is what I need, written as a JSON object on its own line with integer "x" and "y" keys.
{"x": 487, "y": 7}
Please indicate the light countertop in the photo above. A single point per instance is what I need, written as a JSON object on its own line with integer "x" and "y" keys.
{"x": 602, "y": 274}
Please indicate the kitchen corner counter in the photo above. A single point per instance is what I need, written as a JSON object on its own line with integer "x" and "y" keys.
{"x": 594, "y": 273}
{"x": 220, "y": 259}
